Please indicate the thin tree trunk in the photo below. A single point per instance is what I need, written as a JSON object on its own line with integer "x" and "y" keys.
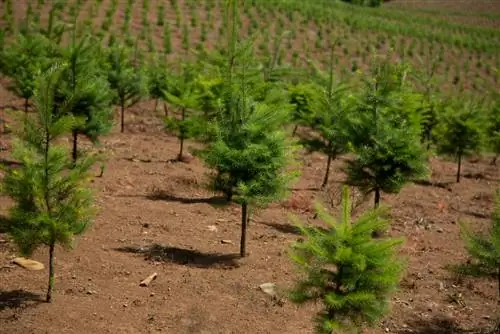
{"x": 429, "y": 137}
{"x": 51, "y": 272}
{"x": 377, "y": 234}
{"x": 294, "y": 132}
{"x": 26, "y": 103}
{"x": 494, "y": 160}
{"x": 243, "y": 230}
{"x": 157, "y": 101}
{"x": 459, "y": 167}
{"x": 165, "y": 109}
{"x": 182, "y": 135}
{"x": 377, "y": 197}
{"x": 75, "y": 146}
{"x": 327, "y": 174}
{"x": 122, "y": 116}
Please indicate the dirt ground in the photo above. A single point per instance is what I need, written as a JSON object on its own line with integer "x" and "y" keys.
{"x": 156, "y": 216}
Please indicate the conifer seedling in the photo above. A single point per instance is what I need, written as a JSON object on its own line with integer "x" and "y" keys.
{"x": 52, "y": 199}
{"x": 182, "y": 94}
{"x": 302, "y": 98}
{"x": 158, "y": 80}
{"x": 493, "y": 129}
{"x": 249, "y": 152}
{"x": 484, "y": 248}
{"x": 331, "y": 116}
{"x": 459, "y": 132}
{"x": 22, "y": 61}
{"x": 84, "y": 83}
{"x": 346, "y": 270}
{"x": 385, "y": 136}
{"x": 128, "y": 82}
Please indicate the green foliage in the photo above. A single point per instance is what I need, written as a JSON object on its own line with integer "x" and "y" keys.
{"x": 158, "y": 79}
{"x": 302, "y": 98}
{"x": 332, "y": 112}
{"x": 167, "y": 39}
{"x": 351, "y": 274}
{"x": 185, "y": 37}
{"x": 459, "y": 132}
{"x": 128, "y": 82}
{"x": 385, "y": 135}
{"x": 183, "y": 95}
{"x": 52, "y": 199}
{"x": 83, "y": 82}
{"x": 484, "y": 249}
{"x": 160, "y": 21}
{"x": 250, "y": 152}
{"x": 22, "y": 61}
{"x": 493, "y": 128}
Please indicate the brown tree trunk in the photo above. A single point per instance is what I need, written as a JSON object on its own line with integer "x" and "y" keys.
{"x": 327, "y": 173}
{"x": 122, "y": 117}
{"x": 182, "y": 135}
{"x": 243, "y": 230}
{"x": 459, "y": 167}
{"x": 75, "y": 146}
{"x": 377, "y": 234}
{"x": 51, "y": 273}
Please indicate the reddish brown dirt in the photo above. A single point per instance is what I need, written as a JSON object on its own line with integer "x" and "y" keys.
{"x": 201, "y": 287}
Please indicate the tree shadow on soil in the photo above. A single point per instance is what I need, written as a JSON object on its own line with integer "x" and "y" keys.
{"x": 10, "y": 163}
{"x": 186, "y": 257}
{"x": 437, "y": 184}
{"x": 442, "y": 325}
{"x": 289, "y": 228}
{"x": 217, "y": 201}
{"x": 159, "y": 195}
{"x": 479, "y": 215}
{"x": 18, "y": 298}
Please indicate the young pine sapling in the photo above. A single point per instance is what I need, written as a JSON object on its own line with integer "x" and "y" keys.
{"x": 84, "y": 83}
{"x": 126, "y": 80}
{"x": 484, "y": 250}
{"x": 385, "y": 136}
{"x": 493, "y": 130}
{"x": 348, "y": 271}
{"x": 330, "y": 121}
{"x": 250, "y": 151}
{"x": 22, "y": 61}
{"x": 459, "y": 132}
{"x": 52, "y": 199}
{"x": 158, "y": 82}
{"x": 183, "y": 96}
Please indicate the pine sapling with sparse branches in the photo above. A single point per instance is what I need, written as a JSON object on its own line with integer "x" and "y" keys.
{"x": 128, "y": 82}
{"x": 22, "y": 61}
{"x": 330, "y": 121}
{"x": 493, "y": 129}
{"x": 52, "y": 199}
{"x": 183, "y": 95}
{"x": 484, "y": 248}
{"x": 459, "y": 132}
{"x": 84, "y": 82}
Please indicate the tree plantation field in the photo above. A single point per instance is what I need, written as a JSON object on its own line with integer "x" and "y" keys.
{"x": 227, "y": 166}
{"x": 462, "y": 36}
